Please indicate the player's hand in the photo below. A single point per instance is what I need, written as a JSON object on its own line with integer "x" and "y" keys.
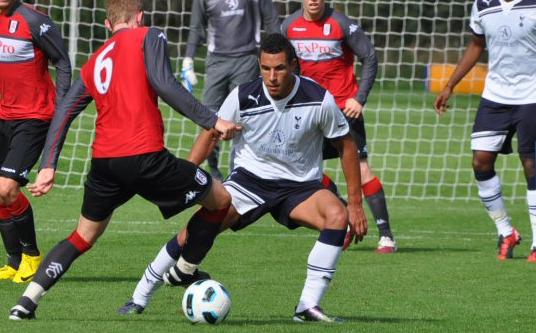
{"x": 440, "y": 104}
{"x": 44, "y": 182}
{"x": 352, "y": 108}
{"x": 188, "y": 76}
{"x": 226, "y": 129}
{"x": 358, "y": 227}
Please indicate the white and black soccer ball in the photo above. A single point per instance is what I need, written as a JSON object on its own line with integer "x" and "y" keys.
{"x": 206, "y": 301}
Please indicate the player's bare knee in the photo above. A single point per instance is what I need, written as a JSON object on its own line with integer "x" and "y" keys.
{"x": 8, "y": 193}
{"x": 336, "y": 217}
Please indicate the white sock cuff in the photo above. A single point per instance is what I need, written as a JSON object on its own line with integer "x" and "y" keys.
{"x": 185, "y": 266}
{"x": 489, "y": 187}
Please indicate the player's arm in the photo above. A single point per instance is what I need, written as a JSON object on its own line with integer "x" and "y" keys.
{"x": 162, "y": 80}
{"x": 270, "y": 18}
{"x": 207, "y": 140}
{"x": 352, "y": 174}
{"x": 74, "y": 102}
{"x": 363, "y": 48}
{"x": 336, "y": 129}
{"x": 47, "y": 36}
{"x": 198, "y": 26}
{"x": 470, "y": 57}
{"x": 203, "y": 146}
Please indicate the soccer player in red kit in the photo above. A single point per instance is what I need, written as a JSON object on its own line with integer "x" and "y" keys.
{"x": 326, "y": 42}
{"x": 28, "y": 41}
{"x": 124, "y": 77}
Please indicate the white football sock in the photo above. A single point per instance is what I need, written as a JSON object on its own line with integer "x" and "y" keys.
{"x": 531, "y": 201}
{"x": 152, "y": 277}
{"x": 491, "y": 196}
{"x": 321, "y": 266}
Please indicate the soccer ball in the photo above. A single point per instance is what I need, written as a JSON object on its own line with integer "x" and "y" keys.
{"x": 206, "y": 301}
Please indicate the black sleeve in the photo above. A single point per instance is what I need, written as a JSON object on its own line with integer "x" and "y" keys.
{"x": 270, "y": 18}
{"x": 198, "y": 25}
{"x": 74, "y": 102}
{"x": 167, "y": 87}
{"x": 362, "y": 47}
{"x": 47, "y": 36}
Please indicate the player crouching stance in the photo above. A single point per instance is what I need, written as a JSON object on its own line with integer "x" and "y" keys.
{"x": 124, "y": 77}
{"x": 277, "y": 170}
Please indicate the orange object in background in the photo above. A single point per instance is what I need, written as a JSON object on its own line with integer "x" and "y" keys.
{"x": 437, "y": 76}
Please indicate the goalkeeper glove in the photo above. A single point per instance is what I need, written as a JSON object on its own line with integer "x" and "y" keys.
{"x": 187, "y": 74}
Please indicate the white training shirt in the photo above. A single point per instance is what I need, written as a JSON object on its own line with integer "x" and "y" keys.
{"x": 510, "y": 32}
{"x": 282, "y": 139}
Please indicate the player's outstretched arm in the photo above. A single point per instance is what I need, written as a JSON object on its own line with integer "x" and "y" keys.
{"x": 350, "y": 166}
{"x": 74, "y": 102}
{"x": 164, "y": 83}
{"x": 43, "y": 183}
{"x": 469, "y": 59}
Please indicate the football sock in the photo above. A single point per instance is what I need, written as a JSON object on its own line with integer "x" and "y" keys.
{"x": 10, "y": 237}
{"x": 491, "y": 196}
{"x": 55, "y": 264}
{"x": 375, "y": 196}
{"x": 25, "y": 226}
{"x": 321, "y": 266}
{"x": 152, "y": 278}
{"x": 531, "y": 201}
{"x": 202, "y": 228}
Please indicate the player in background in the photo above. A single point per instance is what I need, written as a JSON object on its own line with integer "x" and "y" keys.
{"x": 326, "y": 42}
{"x": 28, "y": 41}
{"x": 508, "y": 105}
{"x": 231, "y": 29}
{"x": 124, "y": 77}
{"x": 277, "y": 170}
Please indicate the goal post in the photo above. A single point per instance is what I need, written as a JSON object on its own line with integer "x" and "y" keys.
{"x": 415, "y": 153}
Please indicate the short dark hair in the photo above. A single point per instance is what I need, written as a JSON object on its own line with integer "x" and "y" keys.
{"x": 276, "y": 43}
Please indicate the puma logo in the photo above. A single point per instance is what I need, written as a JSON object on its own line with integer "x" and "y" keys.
{"x": 256, "y": 100}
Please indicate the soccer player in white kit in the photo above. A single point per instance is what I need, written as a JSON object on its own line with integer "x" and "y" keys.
{"x": 508, "y": 105}
{"x": 277, "y": 170}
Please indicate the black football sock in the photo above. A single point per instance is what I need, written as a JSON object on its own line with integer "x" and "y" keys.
{"x": 26, "y": 229}
{"x": 59, "y": 259}
{"x": 202, "y": 228}
{"x": 375, "y": 197}
{"x": 10, "y": 237}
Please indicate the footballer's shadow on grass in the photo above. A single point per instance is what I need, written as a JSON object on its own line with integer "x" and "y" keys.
{"x": 347, "y": 320}
{"x": 112, "y": 279}
{"x": 414, "y": 249}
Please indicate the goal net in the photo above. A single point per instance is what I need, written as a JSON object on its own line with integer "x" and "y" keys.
{"x": 416, "y": 154}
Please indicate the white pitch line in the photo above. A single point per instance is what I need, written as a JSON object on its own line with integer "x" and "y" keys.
{"x": 287, "y": 234}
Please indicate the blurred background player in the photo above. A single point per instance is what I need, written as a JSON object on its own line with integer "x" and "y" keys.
{"x": 277, "y": 170}
{"x": 125, "y": 77}
{"x": 29, "y": 40}
{"x": 326, "y": 42}
{"x": 508, "y": 105}
{"x": 231, "y": 29}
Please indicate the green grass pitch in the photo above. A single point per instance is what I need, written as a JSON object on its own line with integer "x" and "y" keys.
{"x": 445, "y": 277}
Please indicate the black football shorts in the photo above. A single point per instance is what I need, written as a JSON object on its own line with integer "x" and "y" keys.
{"x": 359, "y": 134}
{"x": 169, "y": 182}
{"x": 21, "y": 143}
{"x": 254, "y": 197}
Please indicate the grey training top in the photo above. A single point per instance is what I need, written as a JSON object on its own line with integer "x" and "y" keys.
{"x": 230, "y": 27}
